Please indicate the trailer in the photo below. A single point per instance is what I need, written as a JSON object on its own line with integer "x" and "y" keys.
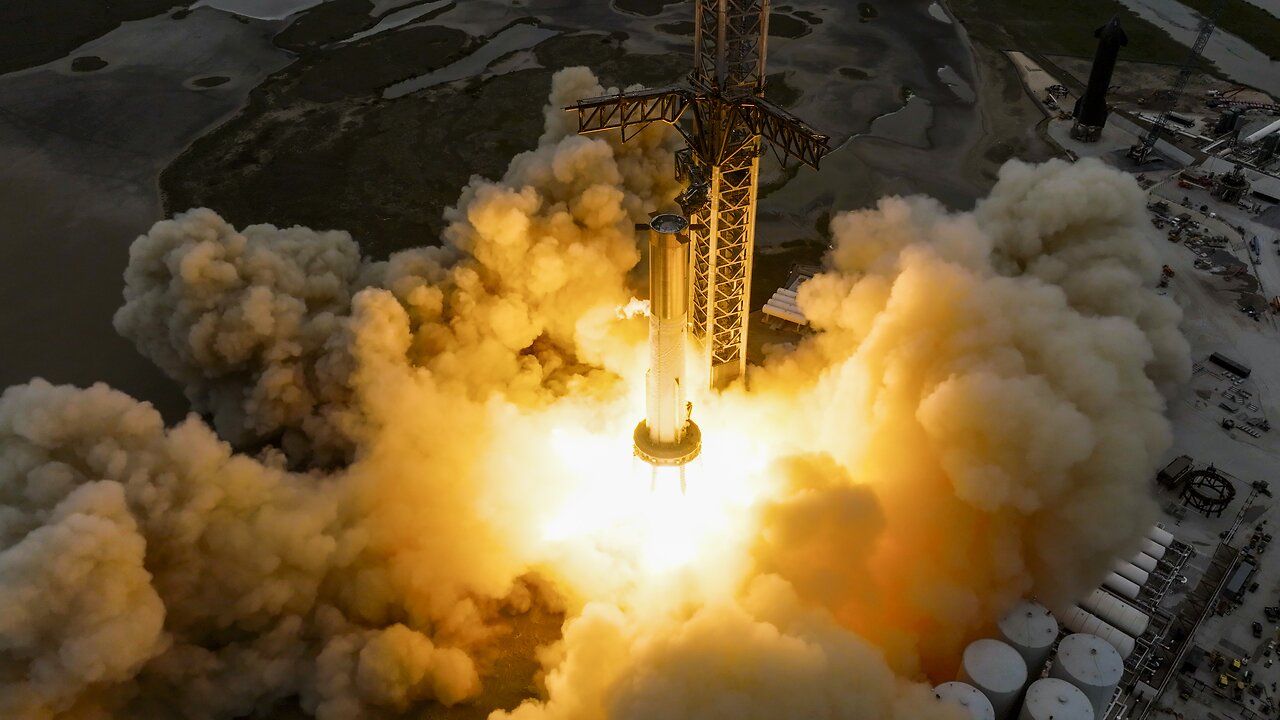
{"x": 1235, "y": 368}
{"x": 1175, "y": 472}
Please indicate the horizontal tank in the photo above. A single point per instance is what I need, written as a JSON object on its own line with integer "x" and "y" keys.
{"x": 1054, "y": 699}
{"x": 1079, "y": 620}
{"x": 1255, "y": 137}
{"x": 1091, "y": 664}
{"x": 1131, "y": 572}
{"x": 1145, "y": 561}
{"x": 1030, "y": 629}
{"x": 1117, "y": 612}
{"x": 967, "y": 697}
{"x": 998, "y": 671}
{"x": 1152, "y": 548}
{"x": 1121, "y": 585}
{"x": 1160, "y": 536}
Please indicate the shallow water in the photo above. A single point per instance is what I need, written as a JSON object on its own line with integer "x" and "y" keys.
{"x": 1235, "y": 57}
{"x": 260, "y": 9}
{"x": 962, "y": 89}
{"x": 80, "y": 153}
{"x": 399, "y": 18}
{"x": 516, "y": 37}
{"x": 906, "y": 126}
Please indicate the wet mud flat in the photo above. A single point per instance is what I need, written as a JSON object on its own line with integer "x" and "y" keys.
{"x": 393, "y": 105}
{"x": 81, "y": 146}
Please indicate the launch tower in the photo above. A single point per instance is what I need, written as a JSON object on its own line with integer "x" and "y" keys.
{"x": 726, "y": 122}
{"x": 1091, "y": 108}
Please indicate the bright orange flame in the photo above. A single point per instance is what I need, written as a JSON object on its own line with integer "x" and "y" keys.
{"x": 650, "y": 533}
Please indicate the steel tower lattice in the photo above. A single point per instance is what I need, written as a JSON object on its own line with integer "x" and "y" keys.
{"x": 1141, "y": 152}
{"x": 726, "y": 122}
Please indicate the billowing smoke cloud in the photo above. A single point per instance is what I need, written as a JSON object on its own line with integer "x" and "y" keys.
{"x": 994, "y": 377}
{"x": 408, "y": 456}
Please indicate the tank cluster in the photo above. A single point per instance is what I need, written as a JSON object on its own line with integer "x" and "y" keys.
{"x": 1037, "y": 670}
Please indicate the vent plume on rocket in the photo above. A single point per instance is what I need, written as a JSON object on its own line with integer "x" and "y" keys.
{"x": 667, "y": 436}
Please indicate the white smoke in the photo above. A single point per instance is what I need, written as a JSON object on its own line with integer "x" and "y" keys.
{"x": 995, "y": 377}
{"x": 973, "y": 421}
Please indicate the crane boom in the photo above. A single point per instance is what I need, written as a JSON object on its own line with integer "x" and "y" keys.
{"x": 1141, "y": 152}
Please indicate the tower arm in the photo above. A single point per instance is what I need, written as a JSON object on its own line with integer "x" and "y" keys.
{"x": 787, "y": 132}
{"x": 631, "y": 111}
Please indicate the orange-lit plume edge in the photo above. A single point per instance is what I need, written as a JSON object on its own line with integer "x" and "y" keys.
{"x": 447, "y": 448}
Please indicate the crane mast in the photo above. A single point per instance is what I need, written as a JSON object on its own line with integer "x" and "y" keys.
{"x": 726, "y": 122}
{"x": 1141, "y": 152}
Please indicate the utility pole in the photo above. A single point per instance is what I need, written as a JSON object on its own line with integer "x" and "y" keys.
{"x": 726, "y": 122}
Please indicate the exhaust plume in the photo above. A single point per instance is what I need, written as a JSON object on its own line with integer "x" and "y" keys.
{"x": 404, "y": 455}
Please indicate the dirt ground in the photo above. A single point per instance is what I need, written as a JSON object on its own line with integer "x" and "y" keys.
{"x": 1013, "y": 120}
{"x": 1140, "y": 84}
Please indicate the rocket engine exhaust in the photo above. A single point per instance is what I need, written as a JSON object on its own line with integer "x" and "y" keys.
{"x": 667, "y": 437}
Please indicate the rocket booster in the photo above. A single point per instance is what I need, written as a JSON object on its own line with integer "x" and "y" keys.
{"x": 667, "y": 436}
{"x": 1091, "y": 108}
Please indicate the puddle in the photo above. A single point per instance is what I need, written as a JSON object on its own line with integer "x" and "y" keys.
{"x": 516, "y": 37}
{"x": 399, "y": 18}
{"x": 260, "y": 9}
{"x": 962, "y": 89}
{"x": 1234, "y": 56}
{"x": 939, "y": 13}
{"x": 909, "y": 125}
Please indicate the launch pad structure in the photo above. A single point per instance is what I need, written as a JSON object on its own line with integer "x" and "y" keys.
{"x": 726, "y": 123}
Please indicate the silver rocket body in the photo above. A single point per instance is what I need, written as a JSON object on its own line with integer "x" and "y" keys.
{"x": 667, "y": 436}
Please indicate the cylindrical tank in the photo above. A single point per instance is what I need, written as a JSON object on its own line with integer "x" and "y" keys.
{"x": 1152, "y": 548}
{"x": 967, "y": 697}
{"x": 1079, "y": 620}
{"x": 1255, "y": 137}
{"x": 1117, "y": 612}
{"x": 1131, "y": 572}
{"x": 998, "y": 671}
{"x": 1054, "y": 699}
{"x": 1121, "y": 585}
{"x": 1030, "y": 629}
{"x": 1091, "y": 664}
{"x": 667, "y": 436}
{"x": 1145, "y": 561}
{"x": 1160, "y": 535}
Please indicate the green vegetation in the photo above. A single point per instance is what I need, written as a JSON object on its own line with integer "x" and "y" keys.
{"x": 1248, "y": 22}
{"x": 1055, "y": 27}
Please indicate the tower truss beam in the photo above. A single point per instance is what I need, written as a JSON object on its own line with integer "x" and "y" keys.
{"x": 726, "y": 123}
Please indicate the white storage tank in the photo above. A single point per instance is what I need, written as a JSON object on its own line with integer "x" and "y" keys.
{"x": 1054, "y": 699}
{"x": 1161, "y": 536}
{"x": 1152, "y": 548}
{"x": 1265, "y": 131}
{"x": 967, "y": 697}
{"x": 1145, "y": 561}
{"x": 1117, "y": 612}
{"x": 1131, "y": 572}
{"x": 1121, "y": 586}
{"x": 1091, "y": 664}
{"x": 1031, "y": 630}
{"x": 998, "y": 671}
{"x": 1078, "y": 620}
